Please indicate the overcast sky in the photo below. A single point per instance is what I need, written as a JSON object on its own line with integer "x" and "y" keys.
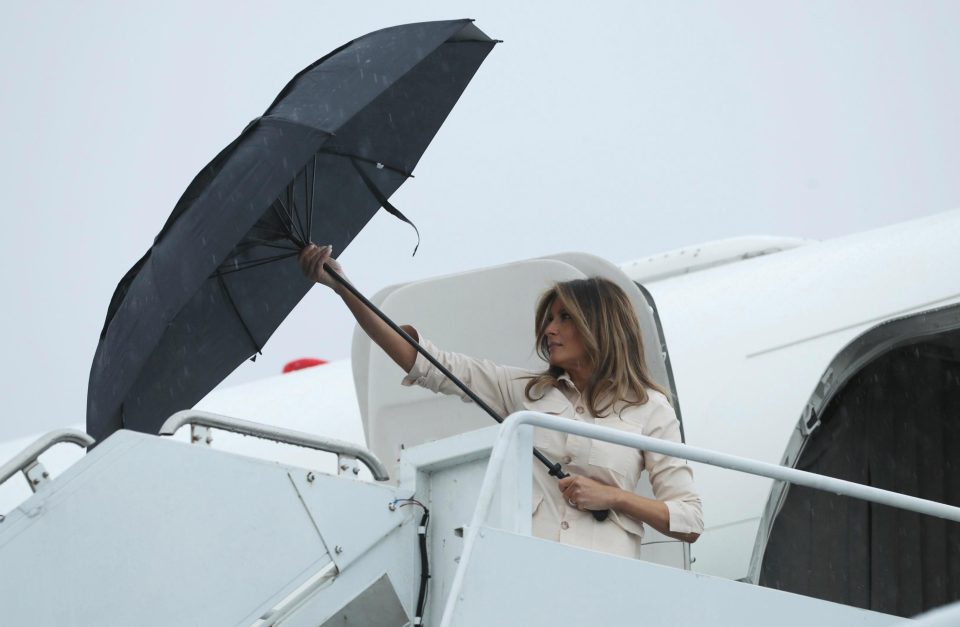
{"x": 620, "y": 129}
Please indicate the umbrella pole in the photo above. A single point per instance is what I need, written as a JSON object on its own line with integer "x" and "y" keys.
{"x": 552, "y": 467}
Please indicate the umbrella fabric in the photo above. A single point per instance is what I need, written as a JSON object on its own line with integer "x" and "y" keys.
{"x": 222, "y": 274}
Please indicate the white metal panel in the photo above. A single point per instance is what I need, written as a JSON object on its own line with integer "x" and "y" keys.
{"x": 749, "y": 342}
{"x": 377, "y": 605}
{"x": 394, "y": 556}
{"x": 447, "y": 475}
{"x": 146, "y": 531}
{"x": 516, "y": 580}
{"x": 56, "y": 460}
{"x": 351, "y": 515}
{"x": 706, "y": 255}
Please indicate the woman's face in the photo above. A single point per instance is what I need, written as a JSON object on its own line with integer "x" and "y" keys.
{"x": 564, "y": 342}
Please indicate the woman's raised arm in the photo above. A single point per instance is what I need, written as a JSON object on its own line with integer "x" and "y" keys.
{"x": 313, "y": 258}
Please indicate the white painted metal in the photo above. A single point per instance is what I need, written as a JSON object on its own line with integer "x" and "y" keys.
{"x": 394, "y": 556}
{"x": 293, "y": 601}
{"x": 149, "y": 531}
{"x": 28, "y": 456}
{"x": 276, "y": 434}
{"x": 446, "y": 475}
{"x": 37, "y": 476}
{"x": 707, "y": 255}
{"x": 199, "y": 433}
{"x": 351, "y": 516}
{"x": 347, "y": 466}
{"x": 286, "y": 547}
{"x": 732, "y": 462}
{"x": 515, "y": 580}
{"x": 119, "y": 516}
{"x": 378, "y": 605}
{"x": 750, "y": 341}
{"x": 510, "y": 427}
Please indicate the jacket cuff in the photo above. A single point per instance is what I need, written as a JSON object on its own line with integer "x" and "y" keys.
{"x": 423, "y": 371}
{"x": 683, "y": 518}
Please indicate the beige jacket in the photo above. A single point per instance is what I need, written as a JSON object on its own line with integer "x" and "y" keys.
{"x": 672, "y": 479}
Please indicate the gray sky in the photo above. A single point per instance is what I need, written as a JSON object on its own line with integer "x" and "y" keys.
{"x": 616, "y": 128}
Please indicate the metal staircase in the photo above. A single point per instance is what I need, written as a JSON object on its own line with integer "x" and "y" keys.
{"x": 146, "y": 530}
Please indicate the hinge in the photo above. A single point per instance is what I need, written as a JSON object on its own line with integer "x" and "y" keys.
{"x": 810, "y": 420}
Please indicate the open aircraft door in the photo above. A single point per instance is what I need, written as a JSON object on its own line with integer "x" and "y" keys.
{"x": 886, "y": 413}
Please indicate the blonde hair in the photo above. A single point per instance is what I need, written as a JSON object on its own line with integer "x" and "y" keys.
{"x": 612, "y": 341}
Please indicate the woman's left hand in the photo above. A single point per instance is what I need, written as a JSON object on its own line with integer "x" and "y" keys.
{"x": 586, "y": 493}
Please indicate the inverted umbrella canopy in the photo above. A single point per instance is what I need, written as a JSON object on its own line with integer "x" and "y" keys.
{"x": 222, "y": 274}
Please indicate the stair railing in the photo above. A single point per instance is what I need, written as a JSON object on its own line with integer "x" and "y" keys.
{"x": 347, "y": 453}
{"x": 26, "y": 460}
{"x": 506, "y": 442}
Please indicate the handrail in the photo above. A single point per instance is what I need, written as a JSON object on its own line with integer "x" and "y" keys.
{"x": 29, "y": 455}
{"x": 276, "y": 434}
{"x": 513, "y": 423}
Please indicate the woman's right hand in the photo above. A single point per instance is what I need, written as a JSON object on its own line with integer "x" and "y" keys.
{"x": 313, "y": 258}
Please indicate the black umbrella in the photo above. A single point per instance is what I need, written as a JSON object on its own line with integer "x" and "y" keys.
{"x": 222, "y": 274}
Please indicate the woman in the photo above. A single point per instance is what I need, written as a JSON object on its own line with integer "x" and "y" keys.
{"x": 587, "y": 332}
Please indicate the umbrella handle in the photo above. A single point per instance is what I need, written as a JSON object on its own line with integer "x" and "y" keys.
{"x": 599, "y": 515}
{"x": 553, "y": 467}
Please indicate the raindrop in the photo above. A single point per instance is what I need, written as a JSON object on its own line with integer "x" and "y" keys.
{"x": 379, "y": 166}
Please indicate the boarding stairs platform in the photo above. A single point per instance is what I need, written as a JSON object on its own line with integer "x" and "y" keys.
{"x": 148, "y": 530}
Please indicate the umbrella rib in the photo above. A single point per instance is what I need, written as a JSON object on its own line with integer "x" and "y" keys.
{"x": 223, "y": 284}
{"x": 379, "y": 164}
{"x": 251, "y": 243}
{"x": 288, "y": 209}
{"x": 253, "y": 263}
{"x": 284, "y": 220}
{"x": 249, "y": 263}
{"x": 382, "y": 199}
{"x": 313, "y": 196}
{"x": 294, "y": 236}
{"x": 293, "y": 206}
{"x": 265, "y": 242}
{"x": 283, "y": 234}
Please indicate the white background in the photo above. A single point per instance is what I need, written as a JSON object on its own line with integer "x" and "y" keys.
{"x": 616, "y": 128}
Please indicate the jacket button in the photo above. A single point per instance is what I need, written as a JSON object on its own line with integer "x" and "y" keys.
{"x": 579, "y": 409}
{"x": 564, "y": 525}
